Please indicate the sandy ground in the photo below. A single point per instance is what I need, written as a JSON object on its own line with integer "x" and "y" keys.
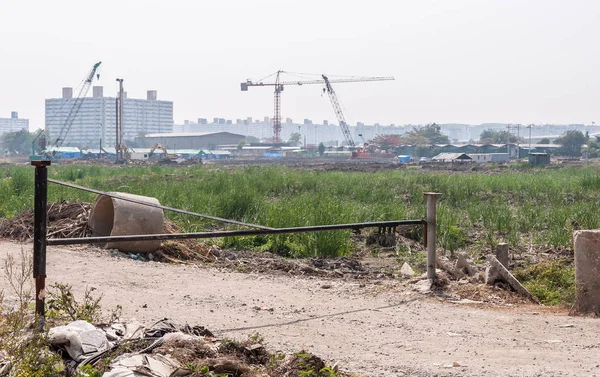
{"x": 369, "y": 330}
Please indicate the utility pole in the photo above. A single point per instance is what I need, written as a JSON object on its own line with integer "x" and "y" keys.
{"x": 518, "y": 141}
{"x": 119, "y": 136}
{"x": 530, "y": 126}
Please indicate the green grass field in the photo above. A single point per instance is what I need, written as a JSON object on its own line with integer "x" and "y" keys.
{"x": 520, "y": 205}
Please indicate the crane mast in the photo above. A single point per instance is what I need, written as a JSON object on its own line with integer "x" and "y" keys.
{"x": 64, "y": 131}
{"x": 338, "y": 112}
{"x": 277, "y": 112}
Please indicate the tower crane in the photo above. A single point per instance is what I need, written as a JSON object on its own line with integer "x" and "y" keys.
{"x": 73, "y": 111}
{"x": 279, "y": 85}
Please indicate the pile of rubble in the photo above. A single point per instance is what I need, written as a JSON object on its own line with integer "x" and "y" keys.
{"x": 494, "y": 272}
{"x": 167, "y": 349}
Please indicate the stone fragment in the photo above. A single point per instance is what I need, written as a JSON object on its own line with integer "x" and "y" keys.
{"x": 465, "y": 264}
{"x": 406, "y": 270}
{"x": 423, "y": 286}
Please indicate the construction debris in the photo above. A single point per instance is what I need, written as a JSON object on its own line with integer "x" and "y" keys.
{"x": 70, "y": 220}
{"x": 146, "y": 365}
{"x": 168, "y": 349}
{"x": 465, "y": 264}
{"x": 80, "y": 339}
{"x": 496, "y": 271}
{"x": 65, "y": 220}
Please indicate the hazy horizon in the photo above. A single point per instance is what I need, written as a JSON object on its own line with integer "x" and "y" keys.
{"x": 459, "y": 61}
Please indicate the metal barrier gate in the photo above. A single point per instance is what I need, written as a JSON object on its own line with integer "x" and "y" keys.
{"x": 40, "y": 240}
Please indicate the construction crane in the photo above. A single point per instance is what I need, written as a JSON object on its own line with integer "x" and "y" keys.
{"x": 73, "y": 111}
{"x": 338, "y": 112}
{"x": 279, "y": 85}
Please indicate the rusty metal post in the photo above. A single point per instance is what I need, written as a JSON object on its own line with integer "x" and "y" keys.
{"x": 431, "y": 198}
{"x": 39, "y": 237}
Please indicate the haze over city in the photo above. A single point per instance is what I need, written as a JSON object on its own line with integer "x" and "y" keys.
{"x": 454, "y": 61}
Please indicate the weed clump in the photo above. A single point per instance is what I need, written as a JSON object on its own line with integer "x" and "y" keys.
{"x": 552, "y": 282}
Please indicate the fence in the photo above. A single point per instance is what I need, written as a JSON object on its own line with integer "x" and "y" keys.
{"x": 41, "y": 241}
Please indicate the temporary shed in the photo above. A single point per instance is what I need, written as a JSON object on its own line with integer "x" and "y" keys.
{"x": 539, "y": 158}
{"x": 452, "y": 157}
{"x": 215, "y": 154}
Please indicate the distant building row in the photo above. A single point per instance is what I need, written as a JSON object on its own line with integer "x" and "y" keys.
{"x": 12, "y": 124}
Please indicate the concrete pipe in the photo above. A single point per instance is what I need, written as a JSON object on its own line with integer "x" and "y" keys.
{"x": 117, "y": 217}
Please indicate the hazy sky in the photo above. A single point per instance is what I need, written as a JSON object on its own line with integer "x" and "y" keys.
{"x": 454, "y": 60}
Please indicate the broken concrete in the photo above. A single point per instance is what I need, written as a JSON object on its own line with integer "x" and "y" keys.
{"x": 502, "y": 254}
{"x": 406, "y": 270}
{"x": 496, "y": 271}
{"x": 423, "y": 286}
{"x": 465, "y": 264}
{"x": 448, "y": 267}
{"x": 587, "y": 270}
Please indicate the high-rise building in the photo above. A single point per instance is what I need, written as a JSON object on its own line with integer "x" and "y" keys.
{"x": 12, "y": 124}
{"x": 96, "y": 119}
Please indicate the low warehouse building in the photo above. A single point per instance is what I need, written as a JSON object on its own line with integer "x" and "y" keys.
{"x": 193, "y": 140}
{"x": 489, "y": 157}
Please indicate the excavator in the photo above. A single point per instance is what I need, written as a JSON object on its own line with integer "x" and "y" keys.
{"x": 167, "y": 158}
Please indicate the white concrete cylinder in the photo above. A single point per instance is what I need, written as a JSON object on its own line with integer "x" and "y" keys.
{"x": 116, "y": 217}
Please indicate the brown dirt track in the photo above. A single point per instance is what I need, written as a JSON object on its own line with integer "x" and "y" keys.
{"x": 376, "y": 328}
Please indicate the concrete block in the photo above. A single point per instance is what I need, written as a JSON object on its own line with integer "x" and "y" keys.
{"x": 587, "y": 270}
{"x": 502, "y": 254}
{"x": 465, "y": 264}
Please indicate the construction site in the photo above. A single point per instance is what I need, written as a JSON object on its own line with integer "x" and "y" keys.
{"x": 133, "y": 246}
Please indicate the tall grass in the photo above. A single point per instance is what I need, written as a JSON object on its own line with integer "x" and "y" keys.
{"x": 541, "y": 205}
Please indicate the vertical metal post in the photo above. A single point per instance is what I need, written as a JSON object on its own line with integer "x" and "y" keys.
{"x": 117, "y": 147}
{"x": 431, "y": 198}
{"x": 39, "y": 237}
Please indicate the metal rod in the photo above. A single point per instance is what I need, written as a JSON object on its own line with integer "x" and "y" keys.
{"x": 156, "y": 205}
{"x": 230, "y": 233}
{"x": 39, "y": 237}
{"x": 431, "y": 198}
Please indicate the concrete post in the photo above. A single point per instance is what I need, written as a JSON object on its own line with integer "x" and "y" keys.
{"x": 587, "y": 270}
{"x": 502, "y": 254}
{"x": 431, "y": 198}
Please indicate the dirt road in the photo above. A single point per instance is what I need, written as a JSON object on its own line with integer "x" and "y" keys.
{"x": 371, "y": 330}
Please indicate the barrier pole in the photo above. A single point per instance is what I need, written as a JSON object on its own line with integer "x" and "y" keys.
{"x": 39, "y": 238}
{"x": 431, "y": 198}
